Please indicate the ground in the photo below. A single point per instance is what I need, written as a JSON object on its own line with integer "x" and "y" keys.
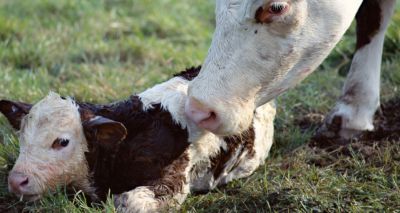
{"x": 105, "y": 50}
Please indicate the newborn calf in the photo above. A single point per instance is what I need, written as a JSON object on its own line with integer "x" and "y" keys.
{"x": 143, "y": 150}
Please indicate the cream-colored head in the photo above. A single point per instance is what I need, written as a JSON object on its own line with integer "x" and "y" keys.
{"x": 52, "y": 146}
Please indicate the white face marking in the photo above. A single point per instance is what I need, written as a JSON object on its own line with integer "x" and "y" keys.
{"x": 47, "y": 167}
{"x": 250, "y": 63}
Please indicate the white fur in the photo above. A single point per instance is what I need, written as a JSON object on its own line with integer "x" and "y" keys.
{"x": 139, "y": 200}
{"x": 245, "y": 164}
{"x": 52, "y": 118}
{"x": 364, "y": 78}
{"x": 264, "y": 132}
{"x": 172, "y": 95}
{"x": 249, "y": 63}
{"x": 169, "y": 94}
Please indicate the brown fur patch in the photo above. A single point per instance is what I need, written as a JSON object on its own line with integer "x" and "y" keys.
{"x": 86, "y": 114}
{"x": 14, "y": 112}
{"x": 263, "y": 15}
{"x": 152, "y": 154}
{"x": 244, "y": 142}
{"x": 369, "y": 19}
{"x": 173, "y": 178}
{"x": 350, "y": 94}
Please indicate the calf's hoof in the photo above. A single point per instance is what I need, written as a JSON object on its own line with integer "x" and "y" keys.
{"x": 139, "y": 200}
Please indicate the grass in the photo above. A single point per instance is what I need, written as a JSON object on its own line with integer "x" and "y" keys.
{"x": 104, "y": 50}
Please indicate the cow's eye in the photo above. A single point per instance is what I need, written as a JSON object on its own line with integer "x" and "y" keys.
{"x": 60, "y": 143}
{"x": 278, "y": 7}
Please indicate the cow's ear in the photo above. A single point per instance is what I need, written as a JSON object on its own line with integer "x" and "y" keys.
{"x": 107, "y": 133}
{"x": 14, "y": 112}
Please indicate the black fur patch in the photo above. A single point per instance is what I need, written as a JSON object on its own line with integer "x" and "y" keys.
{"x": 190, "y": 73}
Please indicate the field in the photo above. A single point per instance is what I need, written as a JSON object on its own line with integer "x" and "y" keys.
{"x": 105, "y": 50}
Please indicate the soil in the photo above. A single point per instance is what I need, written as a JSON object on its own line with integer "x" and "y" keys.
{"x": 10, "y": 205}
{"x": 368, "y": 144}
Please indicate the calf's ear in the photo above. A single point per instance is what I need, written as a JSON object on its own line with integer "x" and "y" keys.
{"x": 14, "y": 112}
{"x": 107, "y": 133}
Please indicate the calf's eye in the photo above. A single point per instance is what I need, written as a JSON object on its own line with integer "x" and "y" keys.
{"x": 60, "y": 143}
{"x": 278, "y": 7}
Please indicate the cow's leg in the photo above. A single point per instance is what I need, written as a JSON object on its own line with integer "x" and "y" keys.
{"x": 355, "y": 109}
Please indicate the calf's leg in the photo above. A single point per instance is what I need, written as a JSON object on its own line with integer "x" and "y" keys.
{"x": 356, "y": 107}
{"x": 140, "y": 200}
{"x": 168, "y": 191}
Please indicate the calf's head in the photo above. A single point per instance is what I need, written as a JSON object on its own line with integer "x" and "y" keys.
{"x": 261, "y": 48}
{"x": 53, "y": 144}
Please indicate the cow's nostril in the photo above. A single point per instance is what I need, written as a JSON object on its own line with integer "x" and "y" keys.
{"x": 196, "y": 111}
{"x": 201, "y": 115}
{"x": 18, "y": 182}
{"x": 24, "y": 182}
{"x": 213, "y": 115}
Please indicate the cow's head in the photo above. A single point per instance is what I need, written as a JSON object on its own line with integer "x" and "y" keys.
{"x": 53, "y": 144}
{"x": 260, "y": 49}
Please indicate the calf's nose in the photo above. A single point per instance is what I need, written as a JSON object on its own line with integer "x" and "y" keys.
{"x": 202, "y": 116}
{"x": 17, "y": 182}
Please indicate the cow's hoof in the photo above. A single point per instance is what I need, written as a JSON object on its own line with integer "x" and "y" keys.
{"x": 338, "y": 130}
{"x": 139, "y": 200}
{"x": 328, "y": 135}
{"x": 345, "y": 122}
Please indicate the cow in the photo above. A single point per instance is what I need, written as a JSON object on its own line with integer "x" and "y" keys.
{"x": 261, "y": 48}
{"x": 142, "y": 150}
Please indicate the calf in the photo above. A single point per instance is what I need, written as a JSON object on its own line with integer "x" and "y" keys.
{"x": 142, "y": 150}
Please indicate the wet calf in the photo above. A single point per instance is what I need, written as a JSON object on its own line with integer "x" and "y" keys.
{"x": 141, "y": 149}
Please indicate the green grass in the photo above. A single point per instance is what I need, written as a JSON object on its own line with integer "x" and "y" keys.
{"x": 104, "y": 50}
